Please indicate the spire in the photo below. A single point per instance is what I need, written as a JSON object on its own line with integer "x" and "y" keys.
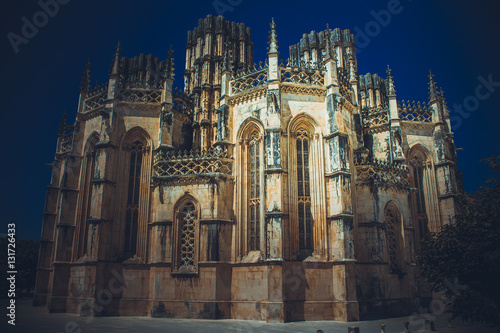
{"x": 273, "y": 39}
{"x": 391, "y": 90}
{"x": 116, "y": 61}
{"x": 170, "y": 68}
{"x": 85, "y": 85}
{"x": 328, "y": 46}
{"x": 62, "y": 125}
{"x": 432, "y": 88}
{"x": 226, "y": 65}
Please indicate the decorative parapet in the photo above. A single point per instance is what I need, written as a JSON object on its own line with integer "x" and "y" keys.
{"x": 141, "y": 95}
{"x": 416, "y": 112}
{"x": 303, "y": 73}
{"x": 168, "y": 163}
{"x": 249, "y": 80}
{"x": 308, "y": 73}
{"x": 149, "y": 85}
{"x": 385, "y": 174}
{"x": 96, "y": 98}
{"x": 66, "y": 139}
{"x": 375, "y": 117}
{"x": 148, "y": 92}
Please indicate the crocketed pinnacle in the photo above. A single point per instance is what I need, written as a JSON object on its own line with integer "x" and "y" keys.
{"x": 116, "y": 61}
{"x": 85, "y": 84}
{"x": 443, "y": 102}
{"x": 432, "y": 88}
{"x": 170, "y": 68}
{"x": 391, "y": 89}
{"x": 273, "y": 38}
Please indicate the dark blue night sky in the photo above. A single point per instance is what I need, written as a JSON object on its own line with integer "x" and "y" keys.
{"x": 457, "y": 40}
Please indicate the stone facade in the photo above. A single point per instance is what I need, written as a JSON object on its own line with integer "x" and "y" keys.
{"x": 289, "y": 190}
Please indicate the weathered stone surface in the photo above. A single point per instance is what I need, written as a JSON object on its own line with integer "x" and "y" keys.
{"x": 274, "y": 192}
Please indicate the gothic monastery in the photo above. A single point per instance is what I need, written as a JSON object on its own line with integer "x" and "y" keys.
{"x": 289, "y": 190}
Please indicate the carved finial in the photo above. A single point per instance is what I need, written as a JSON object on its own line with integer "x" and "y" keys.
{"x": 226, "y": 64}
{"x": 273, "y": 38}
{"x": 170, "y": 68}
{"x": 444, "y": 104}
{"x": 116, "y": 61}
{"x": 62, "y": 125}
{"x": 391, "y": 89}
{"x": 85, "y": 84}
{"x": 432, "y": 87}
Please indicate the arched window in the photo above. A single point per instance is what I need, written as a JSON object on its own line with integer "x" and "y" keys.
{"x": 187, "y": 240}
{"x": 304, "y": 191}
{"x": 133, "y": 193}
{"x": 249, "y": 208}
{"x": 306, "y": 188}
{"x": 85, "y": 199}
{"x": 418, "y": 163}
{"x": 254, "y": 197}
{"x": 394, "y": 237}
{"x": 185, "y": 236}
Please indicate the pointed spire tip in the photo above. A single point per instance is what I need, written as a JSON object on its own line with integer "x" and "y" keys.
{"x": 273, "y": 38}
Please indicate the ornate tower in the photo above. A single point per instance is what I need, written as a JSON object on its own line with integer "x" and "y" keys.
{"x": 202, "y": 77}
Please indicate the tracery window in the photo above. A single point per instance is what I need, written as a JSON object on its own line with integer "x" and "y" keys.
{"x": 187, "y": 240}
{"x": 304, "y": 191}
{"x": 254, "y": 198}
{"x": 132, "y": 208}
{"x": 418, "y": 163}
{"x": 393, "y": 222}
{"x": 89, "y": 175}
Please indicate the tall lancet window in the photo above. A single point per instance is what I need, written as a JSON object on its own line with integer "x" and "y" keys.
{"x": 254, "y": 203}
{"x": 304, "y": 191}
{"x": 90, "y": 166}
{"x": 185, "y": 236}
{"x": 85, "y": 198}
{"x": 132, "y": 208}
{"x": 418, "y": 164}
{"x": 187, "y": 240}
{"x": 393, "y": 222}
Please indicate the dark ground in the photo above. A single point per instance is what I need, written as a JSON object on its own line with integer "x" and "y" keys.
{"x": 37, "y": 319}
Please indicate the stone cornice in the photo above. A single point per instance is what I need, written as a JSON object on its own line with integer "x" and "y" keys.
{"x": 340, "y": 216}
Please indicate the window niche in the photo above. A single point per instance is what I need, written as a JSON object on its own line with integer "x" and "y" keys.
{"x": 186, "y": 226}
